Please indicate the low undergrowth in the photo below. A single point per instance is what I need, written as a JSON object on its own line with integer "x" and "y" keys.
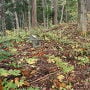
{"x": 53, "y": 66}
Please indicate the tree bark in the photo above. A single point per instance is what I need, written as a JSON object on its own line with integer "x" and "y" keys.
{"x": 82, "y": 11}
{"x": 62, "y": 13}
{"x": 34, "y": 13}
{"x": 2, "y": 17}
{"x": 29, "y": 14}
{"x": 16, "y": 16}
{"x": 44, "y": 18}
{"x": 55, "y": 11}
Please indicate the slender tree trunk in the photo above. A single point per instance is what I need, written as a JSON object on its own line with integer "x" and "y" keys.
{"x": 66, "y": 17}
{"x": 16, "y": 16}
{"x": 55, "y": 11}
{"x": 2, "y": 17}
{"x": 47, "y": 19}
{"x": 82, "y": 15}
{"x": 52, "y": 11}
{"x": 23, "y": 20}
{"x": 24, "y": 16}
{"x": 44, "y": 18}
{"x": 66, "y": 12}
{"x": 29, "y": 14}
{"x": 34, "y": 13}
{"x": 17, "y": 21}
{"x": 62, "y": 13}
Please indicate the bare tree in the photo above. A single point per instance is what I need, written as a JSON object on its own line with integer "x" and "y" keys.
{"x": 62, "y": 11}
{"x": 44, "y": 18}
{"x": 61, "y": 19}
{"x": 34, "y": 13}
{"x": 16, "y": 16}
{"x": 55, "y": 5}
{"x": 2, "y": 16}
{"x": 82, "y": 11}
{"x": 29, "y": 14}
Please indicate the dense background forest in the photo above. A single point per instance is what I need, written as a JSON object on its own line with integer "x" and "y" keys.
{"x": 16, "y": 14}
{"x": 44, "y": 44}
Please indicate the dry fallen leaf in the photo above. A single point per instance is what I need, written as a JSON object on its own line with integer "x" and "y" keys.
{"x": 51, "y": 61}
{"x": 33, "y": 72}
{"x": 19, "y": 82}
{"x": 60, "y": 77}
{"x": 56, "y": 83}
{"x": 63, "y": 85}
{"x": 25, "y": 73}
{"x": 31, "y": 60}
{"x": 26, "y": 83}
{"x": 59, "y": 84}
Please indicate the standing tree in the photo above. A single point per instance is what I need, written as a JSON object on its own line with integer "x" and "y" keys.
{"x": 44, "y": 17}
{"x": 34, "y": 13}
{"x": 82, "y": 11}
{"x": 29, "y": 14}
{"x": 62, "y": 11}
{"x": 55, "y": 5}
{"x": 15, "y": 13}
{"x": 2, "y": 16}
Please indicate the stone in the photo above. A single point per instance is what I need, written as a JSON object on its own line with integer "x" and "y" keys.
{"x": 36, "y": 41}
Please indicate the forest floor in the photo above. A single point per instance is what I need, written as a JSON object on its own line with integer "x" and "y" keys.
{"x": 62, "y": 62}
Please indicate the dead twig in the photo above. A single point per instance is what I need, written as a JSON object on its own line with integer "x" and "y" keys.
{"x": 45, "y": 77}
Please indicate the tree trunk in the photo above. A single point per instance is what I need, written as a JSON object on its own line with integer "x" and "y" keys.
{"x": 82, "y": 15}
{"x": 47, "y": 18}
{"x": 62, "y": 13}
{"x": 34, "y": 13}
{"x": 44, "y": 18}
{"x": 2, "y": 17}
{"x": 66, "y": 12}
{"x": 29, "y": 15}
{"x": 55, "y": 11}
{"x": 16, "y": 16}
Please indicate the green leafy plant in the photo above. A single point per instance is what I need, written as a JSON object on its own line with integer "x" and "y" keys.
{"x": 31, "y": 60}
{"x": 4, "y": 72}
{"x": 4, "y": 54}
{"x": 8, "y": 85}
{"x": 83, "y": 59}
{"x": 63, "y": 65}
{"x": 13, "y": 50}
{"x": 14, "y": 72}
{"x": 15, "y": 65}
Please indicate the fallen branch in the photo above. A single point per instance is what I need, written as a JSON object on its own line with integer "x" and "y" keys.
{"x": 45, "y": 77}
